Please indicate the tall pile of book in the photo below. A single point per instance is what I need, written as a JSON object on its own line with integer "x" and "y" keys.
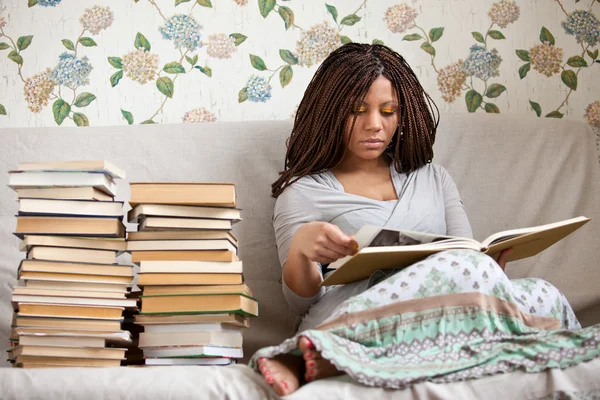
{"x": 72, "y": 293}
{"x": 194, "y": 303}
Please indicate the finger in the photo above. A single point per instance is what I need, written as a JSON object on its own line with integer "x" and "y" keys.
{"x": 330, "y": 254}
{"x": 336, "y": 235}
{"x": 342, "y": 250}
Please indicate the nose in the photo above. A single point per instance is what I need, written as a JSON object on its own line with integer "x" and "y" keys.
{"x": 374, "y": 121}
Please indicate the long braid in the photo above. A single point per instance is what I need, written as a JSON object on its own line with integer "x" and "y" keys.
{"x": 340, "y": 83}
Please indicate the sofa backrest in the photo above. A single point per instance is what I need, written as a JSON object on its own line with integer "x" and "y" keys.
{"x": 511, "y": 172}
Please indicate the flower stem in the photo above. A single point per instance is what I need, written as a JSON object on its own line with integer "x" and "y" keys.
{"x": 364, "y": 3}
{"x": 486, "y": 36}
{"x": 563, "y": 8}
{"x": 577, "y": 74}
{"x": 159, "y": 11}
{"x": 14, "y": 47}
{"x": 77, "y": 42}
{"x": 428, "y": 41}
{"x": 174, "y": 79}
{"x": 275, "y": 71}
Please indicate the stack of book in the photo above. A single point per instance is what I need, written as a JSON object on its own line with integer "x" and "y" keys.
{"x": 194, "y": 303}
{"x": 72, "y": 293}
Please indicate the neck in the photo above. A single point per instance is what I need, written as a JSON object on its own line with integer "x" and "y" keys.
{"x": 352, "y": 164}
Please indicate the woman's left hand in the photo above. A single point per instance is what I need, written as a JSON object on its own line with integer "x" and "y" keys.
{"x": 501, "y": 260}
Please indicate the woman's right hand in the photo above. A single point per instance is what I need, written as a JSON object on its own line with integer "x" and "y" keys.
{"x": 323, "y": 242}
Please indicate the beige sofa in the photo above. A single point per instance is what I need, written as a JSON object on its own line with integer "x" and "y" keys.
{"x": 511, "y": 172}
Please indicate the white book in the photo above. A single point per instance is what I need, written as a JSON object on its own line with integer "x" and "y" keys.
{"x": 194, "y": 351}
{"x": 57, "y": 341}
{"x": 72, "y": 255}
{"x": 207, "y": 267}
{"x": 74, "y": 166}
{"x": 92, "y": 208}
{"x": 168, "y": 210}
{"x": 159, "y": 223}
{"x": 198, "y": 338}
{"x": 190, "y": 361}
{"x": 156, "y": 245}
{"x": 30, "y": 180}
{"x": 192, "y": 328}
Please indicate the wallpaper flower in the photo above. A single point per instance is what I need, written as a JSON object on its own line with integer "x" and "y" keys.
{"x": 100, "y": 62}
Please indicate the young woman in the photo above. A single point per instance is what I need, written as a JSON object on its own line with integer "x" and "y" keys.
{"x": 360, "y": 153}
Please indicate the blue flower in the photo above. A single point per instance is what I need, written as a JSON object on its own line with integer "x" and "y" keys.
{"x": 183, "y": 30}
{"x": 259, "y": 90}
{"x": 584, "y": 25}
{"x": 482, "y": 63}
{"x": 48, "y": 3}
{"x": 70, "y": 71}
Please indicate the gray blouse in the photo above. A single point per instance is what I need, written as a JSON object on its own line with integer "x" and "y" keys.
{"x": 428, "y": 201}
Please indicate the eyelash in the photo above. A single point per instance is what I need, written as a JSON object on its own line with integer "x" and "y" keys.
{"x": 387, "y": 113}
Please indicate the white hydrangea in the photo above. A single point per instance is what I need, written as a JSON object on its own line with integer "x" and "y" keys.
{"x": 316, "y": 43}
{"x": 592, "y": 114}
{"x": 504, "y": 12}
{"x": 546, "y": 58}
{"x": 400, "y": 18}
{"x": 96, "y": 19}
{"x": 220, "y": 46}
{"x": 140, "y": 65}
{"x": 37, "y": 90}
{"x": 2, "y": 22}
{"x": 199, "y": 115}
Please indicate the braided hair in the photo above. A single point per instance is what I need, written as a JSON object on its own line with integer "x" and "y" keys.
{"x": 339, "y": 84}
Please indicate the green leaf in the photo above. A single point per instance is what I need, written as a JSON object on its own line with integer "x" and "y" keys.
{"x": 257, "y": 62}
{"x": 495, "y": 90}
{"x": 239, "y": 38}
{"x": 412, "y": 37}
{"x": 285, "y": 75}
{"x": 24, "y": 41}
{"x": 428, "y": 48}
{"x": 178, "y": 2}
{"x": 31, "y": 3}
{"x": 555, "y": 114}
{"x": 345, "y": 39}
{"x": 84, "y": 99}
{"x": 205, "y": 70}
{"x": 60, "y": 109}
{"x": 148, "y": 121}
{"x": 174, "y": 68}
{"x": 333, "y": 11}
{"x": 80, "y": 119}
{"x": 204, "y": 3}
{"x": 524, "y": 70}
{"x": 116, "y": 62}
{"x": 569, "y": 78}
{"x": 192, "y": 60}
{"x": 2, "y": 110}
{"x": 491, "y": 108}
{"x": 594, "y": 55}
{"x": 478, "y": 36}
{"x": 287, "y": 15}
{"x": 546, "y": 36}
{"x": 473, "y": 100}
{"x": 377, "y": 41}
{"x": 68, "y": 44}
{"x": 141, "y": 42}
{"x": 4, "y": 46}
{"x": 288, "y": 56}
{"x": 87, "y": 42}
{"x": 116, "y": 77}
{"x": 128, "y": 116}
{"x": 165, "y": 86}
{"x": 536, "y": 107}
{"x": 496, "y": 35}
{"x": 243, "y": 95}
{"x": 266, "y": 6}
{"x": 350, "y": 19}
{"x": 523, "y": 55}
{"x": 577, "y": 62}
{"x": 435, "y": 34}
{"x": 16, "y": 57}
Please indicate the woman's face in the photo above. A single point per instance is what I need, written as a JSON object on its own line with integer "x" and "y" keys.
{"x": 376, "y": 121}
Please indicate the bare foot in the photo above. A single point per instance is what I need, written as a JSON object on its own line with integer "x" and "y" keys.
{"x": 282, "y": 373}
{"x": 316, "y": 366}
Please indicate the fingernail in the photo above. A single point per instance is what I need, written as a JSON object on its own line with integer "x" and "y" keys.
{"x": 308, "y": 355}
{"x": 309, "y": 343}
{"x": 311, "y": 363}
{"x": 355, "y": 247}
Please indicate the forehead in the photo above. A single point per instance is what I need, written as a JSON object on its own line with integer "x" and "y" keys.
{"x": 381, "y": 91}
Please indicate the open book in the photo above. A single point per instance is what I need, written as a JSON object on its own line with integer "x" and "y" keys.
{"x": 382, "y": 248}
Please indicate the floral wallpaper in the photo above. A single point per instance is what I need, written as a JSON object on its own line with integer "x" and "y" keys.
{"x": 102, "y": 62}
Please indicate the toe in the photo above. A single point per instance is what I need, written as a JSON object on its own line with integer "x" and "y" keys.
{"x": 304, "y": 344}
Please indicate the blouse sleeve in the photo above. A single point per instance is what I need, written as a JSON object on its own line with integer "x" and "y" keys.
{"x": 292, "y": 210}
{"x": 457, "y": 222}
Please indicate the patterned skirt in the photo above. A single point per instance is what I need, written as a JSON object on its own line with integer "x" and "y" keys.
{"x": 451, "y": 317}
